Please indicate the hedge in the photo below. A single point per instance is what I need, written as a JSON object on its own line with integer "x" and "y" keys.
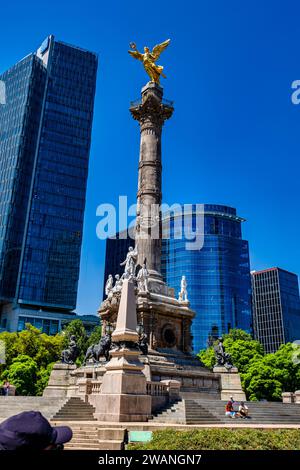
{"x": 222, "y": 439}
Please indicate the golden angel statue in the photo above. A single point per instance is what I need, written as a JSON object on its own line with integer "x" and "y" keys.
{"x": 149, "y": 58}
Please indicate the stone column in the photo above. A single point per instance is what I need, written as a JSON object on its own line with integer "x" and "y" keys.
{"x": 151, "y": 112}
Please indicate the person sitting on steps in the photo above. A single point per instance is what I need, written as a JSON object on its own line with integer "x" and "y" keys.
{"x": 243, "y": 411}
{"x": 229, "y": 411}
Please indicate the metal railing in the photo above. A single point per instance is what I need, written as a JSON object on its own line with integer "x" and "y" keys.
{"x": 136, "y": 103}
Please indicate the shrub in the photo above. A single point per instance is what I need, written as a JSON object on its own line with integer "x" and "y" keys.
{"x": 22, "y": 373}
{"x": 222, "y": 439}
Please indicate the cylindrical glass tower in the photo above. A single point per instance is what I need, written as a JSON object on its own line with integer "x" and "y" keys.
{"x": 218, "y": 274}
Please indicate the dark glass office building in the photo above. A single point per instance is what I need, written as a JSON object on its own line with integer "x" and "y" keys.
{"x": 45, "y": 135}
{"x": 218, "y": 274}
{"x": 276, "y": 307}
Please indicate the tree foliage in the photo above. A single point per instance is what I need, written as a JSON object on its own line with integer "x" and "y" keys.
{"x": 269, "y": 376}
{"x": 95, "y": 336}
{"x": 240, "y": 345}
{"x": 263, "y": 376}
{"x": 30, "y": 355}
{"x": 22, "y": 373}
{"x": 32, "y": 342}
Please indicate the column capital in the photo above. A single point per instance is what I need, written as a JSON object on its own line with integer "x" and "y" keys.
{"x": 152, "y": 109}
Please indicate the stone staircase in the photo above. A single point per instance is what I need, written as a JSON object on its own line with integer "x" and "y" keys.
{"x": 205, "y": 394}
{"x": 205, "y": 411}
{"x": 92, "y": 437}
{"x": 75, "y": 409}
{"x": 13, "y": 405}
{"x": 259, "y": 412}
{"x": 185, "y": 412}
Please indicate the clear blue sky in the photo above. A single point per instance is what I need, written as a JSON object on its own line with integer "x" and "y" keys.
{"x": 234, "y": 136}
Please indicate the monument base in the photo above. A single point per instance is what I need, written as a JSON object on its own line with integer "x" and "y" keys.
{"x": 230, "y": 382}
{"x": 61, "y": 382}
{"x": 122, "y": 408}
{"x": 123, "y": 395}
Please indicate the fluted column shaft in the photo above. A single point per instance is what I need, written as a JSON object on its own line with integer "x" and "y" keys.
{"x": 151, "y": 114}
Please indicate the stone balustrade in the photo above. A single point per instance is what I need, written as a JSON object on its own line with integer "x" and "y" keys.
{"x": 156, "y": 389}
{"x": 291, "y": 397}
{"x": 96, "y": 387}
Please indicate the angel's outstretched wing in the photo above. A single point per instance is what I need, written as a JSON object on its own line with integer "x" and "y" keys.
{"x": 136, "y": 55}
{"x": 157, "y": 50}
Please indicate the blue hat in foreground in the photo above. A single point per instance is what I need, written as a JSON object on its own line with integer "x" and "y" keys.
{"x": 31, "y": 431}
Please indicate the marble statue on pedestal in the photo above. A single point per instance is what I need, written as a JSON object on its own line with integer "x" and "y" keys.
{"x": 130, "y": 263}
{"x": 109, "y": 285}
{"x": 118, "y": 284}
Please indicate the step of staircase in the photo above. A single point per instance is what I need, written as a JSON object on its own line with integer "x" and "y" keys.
{"x": 208, "y": 411}
{"x": 90, "y": 437}
{"x": 10, "y": 406}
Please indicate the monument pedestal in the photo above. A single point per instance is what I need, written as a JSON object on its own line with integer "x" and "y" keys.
{"x": 230, "y": 382}
{"x": 123, "y": 396}
{"x": 61, "y": 383}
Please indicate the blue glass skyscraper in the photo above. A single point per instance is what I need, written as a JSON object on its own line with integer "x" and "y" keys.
{"x": 218, "y": 274}
{"x": 45, "y": 134}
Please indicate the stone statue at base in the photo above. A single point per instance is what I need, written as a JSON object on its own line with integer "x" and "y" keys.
{"x": 143, "y": 344}
{"x": 69, "y": 355}
{"x": 222, "y": 357}
{"x": 101, "y": 349}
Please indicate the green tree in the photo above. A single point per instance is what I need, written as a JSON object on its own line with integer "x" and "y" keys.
{"x": 240, "y": 345}
{"x": 207, "y": 357}
{"x": 41, "y": 348}
{"x": 22, "y": 373}
{"x": 43, "y": 376}
{"x": 95, "y": 336}
{"x": 242, "y": 348}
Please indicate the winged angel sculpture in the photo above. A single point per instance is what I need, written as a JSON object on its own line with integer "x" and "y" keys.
{"x": 149, "y": 58}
